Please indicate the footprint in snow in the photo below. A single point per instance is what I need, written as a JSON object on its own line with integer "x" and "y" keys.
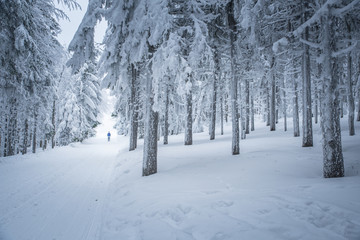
{"x": 224, "y": 204}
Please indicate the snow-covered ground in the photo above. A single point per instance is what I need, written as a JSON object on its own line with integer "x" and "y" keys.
{"x": 94, "y": 190}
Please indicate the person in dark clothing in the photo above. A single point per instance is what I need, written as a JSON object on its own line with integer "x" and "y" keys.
{"x": 109, "y": 135}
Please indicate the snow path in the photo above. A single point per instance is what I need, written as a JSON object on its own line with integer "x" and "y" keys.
{"x": 94, "y": 190}
{"x": 273, "y": 190}
{"x": 61, "y": 193}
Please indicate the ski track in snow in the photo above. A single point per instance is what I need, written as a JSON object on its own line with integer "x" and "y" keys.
{"x": 58, "y": 194}
{"x": 94, "y": 190}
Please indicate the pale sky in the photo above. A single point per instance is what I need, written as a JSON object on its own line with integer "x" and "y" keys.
{"x": 69, "y": 28}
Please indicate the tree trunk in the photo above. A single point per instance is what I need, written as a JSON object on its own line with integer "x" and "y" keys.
{"x": 45, "y": 144}
{"x": 188, "y": 122}
{"x": 12, "y": 128}
{"x": 34, "y": 132}
{"x": 6, "y": 136}
{"x": 166, "y": 117}
{"x": 272, "y": 83}
{"x": 316, "y": 92}
{"x": 358, "y": 110}
{"x": 151, "y": 130}
{"x": 226, "y": 108}
{"x": 330, "y": 121}
{"x": 133, "y": 109}
{"x": 350, "y": 97}
{"x": 284, "y": 102}
{"x": 234, "y": 98}
{"x": 26, "y": 135}
{"x": 53, "y": 125}
{"x": 214, "y": 95}
{"x": 242, "y": 110}
{"x": 267, "y": 106}
{"x": 252, "y": 113}
{"x": 247, "y": 107}
{"x": 296, "y": 107}
{"x": 307, "y": 140}
{"x": 222, "y": 115}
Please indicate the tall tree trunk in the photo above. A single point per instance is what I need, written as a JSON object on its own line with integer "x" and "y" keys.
{"x": 6, "y": 134}
{"x": 307, "y": 140}
{"x": 296, "y": 107}
{"x": 34, "y": 131}
{"x": 284, "y": 102}
{"x": 151, "y": 130}
{"x": 133, "y": 110}
{"x": 252, "y": 113}
{"x": 272, "y": 83}
{"x": 350, "y": 97}
{"x": 222, "y": 115}
{"x": 267, "y": 106}
{"x": 234, "y": 82}
{"x": 166, "y": 117}
{"x": 45, "y": 144}
{"x": 242, "y": 111}
{"x": 316, "y": 92}
{"x": 226, "y": 107}
{"x": 358, "y": 110}
{"x": 247, "y": 109}
{"x": 26, "y": 136}
{"x": 189, "y": 122}
{"x": 12, "y": 128}
{"x": 53, "y": 125}
{"x": 330, "y": 121}
{"x": 214, "y": 95}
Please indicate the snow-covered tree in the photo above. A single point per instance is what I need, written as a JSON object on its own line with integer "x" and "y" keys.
{"x": 28, "y": 55}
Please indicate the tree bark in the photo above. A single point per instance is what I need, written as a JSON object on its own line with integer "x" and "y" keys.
{"x": 12, "y": 128}
{"x": 316, "y": 94}
{"x": 133, "y": 109}
{"x": 296, "y": 107}
{"x": 53, "y": 125}
{"x": 307, "y": 140}
{"x": 242, "y": 111}
{"x": 252, "y": 113}
{"x": 350, "y": 97}
{"x": 234, "y": 82}
{"x": 188, "y": 120}
{"x": 247, "y": 107}
{"x": 26, "y": 135}
{"x": 358, "y": 110}
{"x": 166, "y": 115}
{"x": 222, "y": 115}
{"x": 214, "y": 95}
{"x": 34, "y": 140}
{"x": 267, "y": 106}
{"x": 330, "y": 120}
{"x": 151, "y": 130}
{"x": 284, "y": 102}
{"x": 272, "y": 83}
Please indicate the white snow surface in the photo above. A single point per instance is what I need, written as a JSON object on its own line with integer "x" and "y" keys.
{"x": 94, "y": 190}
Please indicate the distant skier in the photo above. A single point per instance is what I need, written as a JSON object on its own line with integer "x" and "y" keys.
{"x": 109, "y": 135}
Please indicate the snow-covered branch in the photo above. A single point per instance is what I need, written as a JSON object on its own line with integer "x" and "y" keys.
{"x": 345, "y": 51}
{"x": 311, "y": 44}
{"x": 349, "y": 7}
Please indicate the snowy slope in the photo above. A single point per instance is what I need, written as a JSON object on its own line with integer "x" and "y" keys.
{"x": 59, "y": 194}
{"x": 273, "y": 190}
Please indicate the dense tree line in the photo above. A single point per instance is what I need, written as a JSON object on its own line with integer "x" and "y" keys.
{"x": 196, "y": 60}
{"x": 42, "y": 103}
{"x": 178, "y": 66}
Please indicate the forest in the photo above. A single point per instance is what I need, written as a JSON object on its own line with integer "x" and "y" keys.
{"x": 180, "y": 66}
